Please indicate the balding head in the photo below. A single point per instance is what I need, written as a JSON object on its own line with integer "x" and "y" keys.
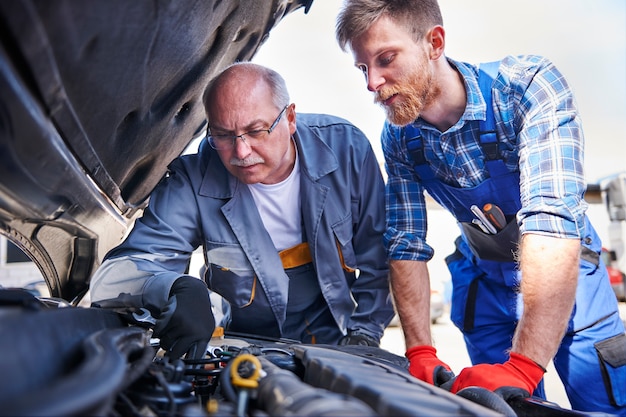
{"x": 239, "y": 78}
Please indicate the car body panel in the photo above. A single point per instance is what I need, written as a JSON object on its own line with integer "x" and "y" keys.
{"x": 96, "y": 99}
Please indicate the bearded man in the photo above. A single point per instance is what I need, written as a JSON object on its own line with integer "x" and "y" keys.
{"x": 501, "y": 147}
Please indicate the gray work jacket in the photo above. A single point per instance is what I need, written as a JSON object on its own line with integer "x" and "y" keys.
{"x": 200, "y": 204}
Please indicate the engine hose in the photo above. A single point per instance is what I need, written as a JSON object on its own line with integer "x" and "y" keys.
{"x": 282, "y": 393}
{"x": 487, "y": 399}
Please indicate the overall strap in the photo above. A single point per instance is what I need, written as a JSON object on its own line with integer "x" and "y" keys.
{"x": 415, "y": 147}
{"x": 487, "y": 72}
{"x": 488, "y": 138}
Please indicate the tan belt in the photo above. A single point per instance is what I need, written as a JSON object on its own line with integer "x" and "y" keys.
{"x": 296, "y": 256}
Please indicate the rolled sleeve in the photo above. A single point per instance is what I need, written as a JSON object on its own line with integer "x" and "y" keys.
{"x": 405, "y": 237}
{"x": 551, "y": 157}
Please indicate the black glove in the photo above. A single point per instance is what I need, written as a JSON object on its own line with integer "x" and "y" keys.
{"x": 186, "y": 323}
{"x": 356, "y": 337}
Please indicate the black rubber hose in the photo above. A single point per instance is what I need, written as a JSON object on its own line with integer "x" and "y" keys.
{"x": 282, "y": 393}
{"x": 487, "y": 399}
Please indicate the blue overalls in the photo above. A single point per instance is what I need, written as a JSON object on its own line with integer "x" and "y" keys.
{"x": 591, "y": 360}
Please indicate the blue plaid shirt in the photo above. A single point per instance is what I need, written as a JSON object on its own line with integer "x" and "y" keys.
{"x": 540, "y": 135}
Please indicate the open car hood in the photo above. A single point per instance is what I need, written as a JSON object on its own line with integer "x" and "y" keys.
{"x": 96, "y": 99}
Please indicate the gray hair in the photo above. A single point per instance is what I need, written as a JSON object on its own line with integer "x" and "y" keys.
{"x": 278, "y": 87}
{"x": 356, "y": 16}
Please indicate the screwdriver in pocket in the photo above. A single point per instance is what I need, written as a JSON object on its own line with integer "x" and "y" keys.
{"x": 483, "y": 221}
{"x": 495, "y": 216}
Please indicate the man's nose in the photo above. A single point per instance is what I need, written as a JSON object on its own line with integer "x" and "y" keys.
{"x": 242, "y": 148}
{"x": 374, "y": 79}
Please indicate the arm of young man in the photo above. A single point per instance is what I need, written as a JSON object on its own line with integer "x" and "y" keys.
{"x": 410, "y": 285}
{"x": 405, "y": 239}
{"x": 549, "y": 268}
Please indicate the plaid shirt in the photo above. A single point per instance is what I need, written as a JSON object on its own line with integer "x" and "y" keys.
{"x": 540, "y": 135}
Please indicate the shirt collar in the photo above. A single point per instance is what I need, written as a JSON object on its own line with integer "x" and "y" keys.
{"x": 475, "y": 107}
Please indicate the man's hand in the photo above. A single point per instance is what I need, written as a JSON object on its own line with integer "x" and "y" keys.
{"x": 355, "y": 337}
{"x": 425, "y": 365}
{"x": 186, "y": 323}
{"x": 519, "y": 372}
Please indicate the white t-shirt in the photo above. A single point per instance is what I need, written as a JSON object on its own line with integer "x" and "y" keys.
{"x": 280, "y": 208}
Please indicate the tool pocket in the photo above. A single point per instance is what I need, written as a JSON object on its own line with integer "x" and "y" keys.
{"x": 230, "y": 274}
{"x": 500, "y": 247}
{"x": 612, "y": 355}
{"x": 343, "y": 241}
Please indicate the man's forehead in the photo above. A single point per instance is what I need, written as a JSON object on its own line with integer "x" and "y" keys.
{"x": 231, "y": 117}
{"x": 383, "y": 34}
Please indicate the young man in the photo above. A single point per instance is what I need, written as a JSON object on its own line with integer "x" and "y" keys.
{"x": 290, "y": 212}
{"x": 528, "y": 286}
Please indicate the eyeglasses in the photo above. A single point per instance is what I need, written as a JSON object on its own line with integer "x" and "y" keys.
{"x": 252, "y": 138}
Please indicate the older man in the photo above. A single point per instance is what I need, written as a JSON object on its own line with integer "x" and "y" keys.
{"x": 289, "y": 209}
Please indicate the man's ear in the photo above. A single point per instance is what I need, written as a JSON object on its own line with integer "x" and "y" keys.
{"x": 436, "y": 38}
{"x": 291, "y": 117}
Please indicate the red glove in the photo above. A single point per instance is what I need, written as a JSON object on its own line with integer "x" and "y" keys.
{"x": 519, "y": 371}
{"x": 425, "y": 365}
